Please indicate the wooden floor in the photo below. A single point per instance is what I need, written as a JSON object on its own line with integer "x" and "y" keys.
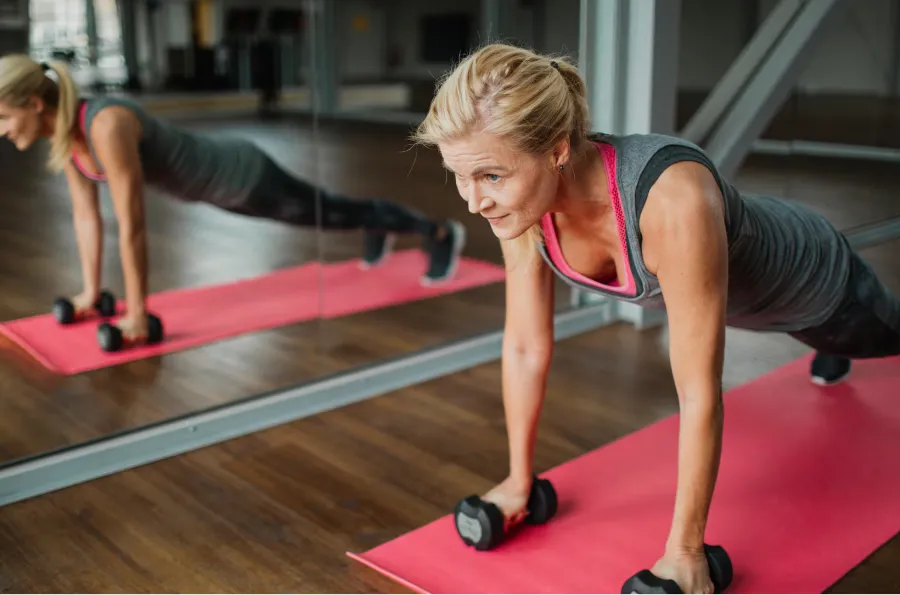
{"x": 275, "y": 511}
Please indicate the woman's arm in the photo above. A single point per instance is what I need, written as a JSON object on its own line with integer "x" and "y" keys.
{"x": 527, "y": 351}
{"x": 115, "y": 134}
{"x": 685, "y": 243}
{"x": 88, "y": 229}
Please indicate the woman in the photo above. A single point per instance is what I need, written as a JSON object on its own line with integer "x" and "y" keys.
{"x": 644, "y": 219}
{"x": 112, "y": 140}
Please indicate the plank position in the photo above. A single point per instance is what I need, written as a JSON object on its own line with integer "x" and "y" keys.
{"x": 113, "y": 140}
{"x": 645, "y": 219}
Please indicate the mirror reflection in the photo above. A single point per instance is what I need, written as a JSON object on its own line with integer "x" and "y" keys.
{"x": 162, "y": 238}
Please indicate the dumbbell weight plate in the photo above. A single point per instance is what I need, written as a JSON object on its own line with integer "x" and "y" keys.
{"x": 480, "y": 524}
{"x": 720, "y": 570}
{"x": 106, "y": 304}
{"x": 63, "y": 311}
{"x": 154, "y": 329}
{"x": 647, "y": 582}
{"x": 109, "y": 336}
{"x": 542, "y": 502}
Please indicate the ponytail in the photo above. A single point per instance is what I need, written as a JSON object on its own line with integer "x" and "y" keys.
{"x": 66, "y": 108}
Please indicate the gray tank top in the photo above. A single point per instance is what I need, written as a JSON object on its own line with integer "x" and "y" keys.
{"x": 788, "y": 265}
{"x": 224, "y": 171}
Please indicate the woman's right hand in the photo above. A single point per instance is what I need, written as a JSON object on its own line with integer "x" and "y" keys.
{"x": 84, "y": 303}
{"x": 511, "y": 497}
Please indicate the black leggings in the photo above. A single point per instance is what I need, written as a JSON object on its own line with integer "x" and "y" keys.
{"x": 867, "y": 323}
{"x": 285, "y": 198}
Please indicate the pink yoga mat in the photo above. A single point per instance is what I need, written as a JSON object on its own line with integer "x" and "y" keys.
{"x": 196, "y": 316}
{"x": 809, "y": 487}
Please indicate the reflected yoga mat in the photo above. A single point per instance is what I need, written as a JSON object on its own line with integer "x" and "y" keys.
{"x": 809, "y": 486}
{"x": 196, "y": 316}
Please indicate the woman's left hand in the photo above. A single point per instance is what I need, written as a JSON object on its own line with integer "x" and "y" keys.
{"x": 134, "y": 328}
{"x": 689, "y": 569}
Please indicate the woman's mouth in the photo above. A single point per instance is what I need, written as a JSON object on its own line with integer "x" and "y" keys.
{"x": 495, "y": 220}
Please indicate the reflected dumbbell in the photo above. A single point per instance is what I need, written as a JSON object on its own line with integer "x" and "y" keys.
{"x": 64, "y": 310}
{"x": 720, "y": 573}
{"x": 481, "y": 524}
{"x": 110, "y": 336}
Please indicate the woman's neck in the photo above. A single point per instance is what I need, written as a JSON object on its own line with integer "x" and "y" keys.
{"x": 584, "y": 188}
{"x": 48, "y": 122}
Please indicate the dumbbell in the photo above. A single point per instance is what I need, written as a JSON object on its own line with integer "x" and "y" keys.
{"x": 64, "y": 310}
{"x": 481, "y": 524}
{"x": 720, "y": 573}
{"x": 110, "y": 336}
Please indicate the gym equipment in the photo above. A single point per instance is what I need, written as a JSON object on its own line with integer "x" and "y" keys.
{"x": 64, "y": 310}
{"x": 720, "y": 573}
{"x": 481, "y": 524}
{"x": 110, "y": 336}
{"x": 807, "y": 489}
{"x": 201, "y": 315}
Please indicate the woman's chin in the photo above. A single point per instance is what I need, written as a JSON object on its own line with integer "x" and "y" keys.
{"x": 507, "y": 232}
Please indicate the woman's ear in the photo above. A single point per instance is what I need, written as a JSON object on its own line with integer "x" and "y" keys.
{"x": 561, "y": 153}
{"x": 37, "y": 104}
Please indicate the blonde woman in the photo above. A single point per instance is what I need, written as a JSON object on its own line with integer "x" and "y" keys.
{"x": 113, "y": 141}
{"x": 644, "y": 219}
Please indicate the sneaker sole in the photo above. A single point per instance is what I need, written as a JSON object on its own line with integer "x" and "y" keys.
{"x": 819, "y": 381}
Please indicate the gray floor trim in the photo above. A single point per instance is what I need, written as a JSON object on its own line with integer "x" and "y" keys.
{"x": 67, "y": 467}
{"x": 821, "y": 149}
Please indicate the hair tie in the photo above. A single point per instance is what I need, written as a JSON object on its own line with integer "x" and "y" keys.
{"x": 45, "y": 67}
{"x": 554, "y": 64}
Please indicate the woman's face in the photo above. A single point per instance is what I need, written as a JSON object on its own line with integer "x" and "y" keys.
{"x": 21, "y": 125}
{"x": 511, "y": 189}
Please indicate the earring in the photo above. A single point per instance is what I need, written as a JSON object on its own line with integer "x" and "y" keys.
{"x": 561, "y": 166}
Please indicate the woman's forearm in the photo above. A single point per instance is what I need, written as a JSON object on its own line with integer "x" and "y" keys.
{"x": 89, "y": 235}
{"x": 524, "y": 383}
{"x": 133, "y": 250}
{"x": 699, "y": 451}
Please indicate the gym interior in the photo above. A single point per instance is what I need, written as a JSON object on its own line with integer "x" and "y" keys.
{"x": 274, "y": 458}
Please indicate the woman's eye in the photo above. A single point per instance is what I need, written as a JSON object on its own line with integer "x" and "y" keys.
{"x": 492, "y": 177}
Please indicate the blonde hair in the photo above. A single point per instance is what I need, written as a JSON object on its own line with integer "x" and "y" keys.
{"x": 530, "y": 100}
{"x": 21, "y": 78}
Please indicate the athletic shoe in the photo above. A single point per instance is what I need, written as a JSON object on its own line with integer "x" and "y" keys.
{"x": 376, "y": 247}
{"x": 829, "y": 369}
{"x": 444, "y": 254}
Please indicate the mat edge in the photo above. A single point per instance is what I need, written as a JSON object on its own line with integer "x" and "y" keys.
{"x": 386, "y": 573}
{"x": 26, "y": 346}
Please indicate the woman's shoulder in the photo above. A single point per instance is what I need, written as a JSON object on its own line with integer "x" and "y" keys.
{"x": 91, "y": 107}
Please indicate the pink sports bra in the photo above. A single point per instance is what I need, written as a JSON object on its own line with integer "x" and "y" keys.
{"x": 82, "y": 116}
{"x": 551, "y": 239}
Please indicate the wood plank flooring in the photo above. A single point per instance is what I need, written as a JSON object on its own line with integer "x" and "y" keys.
{"x": 277, "y": 510}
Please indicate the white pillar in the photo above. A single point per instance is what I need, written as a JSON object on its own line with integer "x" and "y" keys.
{"x": 628, "y": 54}
{"x": 654, "y": 28}
{"x": 322, "y": 55}
{"x": 629, "y": 58}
